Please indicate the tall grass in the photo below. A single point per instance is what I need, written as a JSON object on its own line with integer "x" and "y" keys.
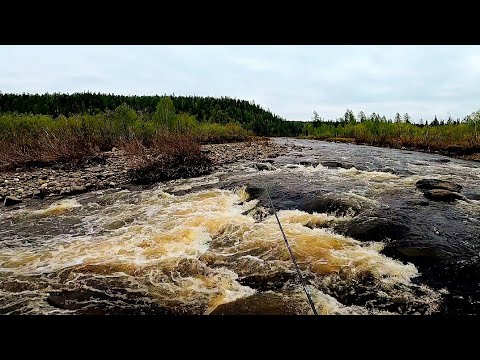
{"x": 29, "y": 139}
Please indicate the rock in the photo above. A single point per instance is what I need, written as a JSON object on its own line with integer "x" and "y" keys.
{"x": 309, "y": 163}
{"x": 372, "y": 228}
{"x": 254, "y": 191}
{"x": 428, "y": 184}
{"x": 94, "y": 169}
{"x": 268, "y": 303}
{"x": 272, "y": 281}
{"x": 117, "y": 224}
{"x": 11, "y": 200}
{"x": 263, "y": 166}
{"x": 112, "y": 184}
{"x": 337, "y": 204}
{"x": 76, "y": 189}
{"x": 335, "y": 164}
{"x": 443, "y": 195}
{"x": 441, "y": 160}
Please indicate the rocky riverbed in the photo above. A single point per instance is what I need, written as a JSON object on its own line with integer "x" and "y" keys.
{"x": 110, "y": 170}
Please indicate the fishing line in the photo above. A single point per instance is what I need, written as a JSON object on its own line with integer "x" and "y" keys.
{"x": 302, "y": 280}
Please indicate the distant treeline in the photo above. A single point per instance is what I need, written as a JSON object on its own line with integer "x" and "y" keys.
{"x": 459, "y": 136}
{"x": 222, "y": 110}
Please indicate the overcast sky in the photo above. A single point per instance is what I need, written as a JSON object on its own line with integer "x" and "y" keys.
{"x": 291, "y": 81}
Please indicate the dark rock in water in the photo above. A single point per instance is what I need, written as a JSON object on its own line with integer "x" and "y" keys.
{"x": 428, "y": 184}
{"x": 259, "y": 304}
{"x": 337, "y": 204}
{"x": 366, "y": 228}
{"x": 443, "y": 195}
{"x": 443, "y": 161}
{"x": 418, "y": 203}
{"x": 309, "y": 163}
{"x": 335, "y": 164}
{"x": 254, "y": 192}
{"x": 389, "y": 170}
{"x": 263, "y": 166}
{"x": 268, "y": 281}
{"x": 472, "y": 196}
{"x": 11, "y": 200}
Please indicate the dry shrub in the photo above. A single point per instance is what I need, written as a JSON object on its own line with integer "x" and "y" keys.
{"x": 44, "y": 149}
{"x": 170, "y": 156}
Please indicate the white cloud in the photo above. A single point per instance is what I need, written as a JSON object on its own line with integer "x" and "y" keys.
{"x": 291, "y": 81}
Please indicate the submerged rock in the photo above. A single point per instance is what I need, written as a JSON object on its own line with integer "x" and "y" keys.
{"x": 370, "y": 228}
{"x": 335, "y": 164}
{"x": 309, "y": 163}
{"x": 268, "y": 303}
{"x": 428, "y": 184}
{"x": 443, "y": 195}
{"x": 337, "y": 204}
{"x": 263, "y": 166}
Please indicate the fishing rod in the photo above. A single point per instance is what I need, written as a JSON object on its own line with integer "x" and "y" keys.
{"x": 302, "y": 280}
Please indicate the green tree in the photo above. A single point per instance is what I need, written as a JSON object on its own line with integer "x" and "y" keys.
{"x": 406, "y": 118}
{"x": 165, "y": 113}
{"x": 362, "y": 117}
{"x": 398, "y": 119}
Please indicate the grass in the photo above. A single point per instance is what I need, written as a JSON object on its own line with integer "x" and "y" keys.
{"x": 33, "y": 140}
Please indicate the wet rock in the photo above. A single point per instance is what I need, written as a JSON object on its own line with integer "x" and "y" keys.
{"x": 337, "y": 204}
{"x": 268, "y": 303}
{"x": 254, "y": 192}
{"x": 335, "y": 164}
{"x": 117, "y": 224}
{"x": 267, "y": 282}
{"x": 428, "y": 184}
{"x": 309, "y": 163}
{"x": 11, "y": 200}
{"x": 443, "y": 195}
{"x": 442, "y": 161}
{"x": 263, "y": 166}
{"x": 373, "y": 228}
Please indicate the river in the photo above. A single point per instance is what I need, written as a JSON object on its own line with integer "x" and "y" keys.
{"x": 374, "y": 244}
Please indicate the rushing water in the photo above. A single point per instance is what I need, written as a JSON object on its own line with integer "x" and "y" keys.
{"x": 197, "y": 246}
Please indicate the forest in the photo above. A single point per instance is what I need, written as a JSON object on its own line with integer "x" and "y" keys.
{"x": 449, "y": 136}
{"x": 223, "y": 110}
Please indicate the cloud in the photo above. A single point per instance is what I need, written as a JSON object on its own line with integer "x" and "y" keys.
{"x": 291, "y": 81}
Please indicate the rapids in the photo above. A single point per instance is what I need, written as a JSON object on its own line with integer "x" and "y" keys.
{"x": 197, "y": 246}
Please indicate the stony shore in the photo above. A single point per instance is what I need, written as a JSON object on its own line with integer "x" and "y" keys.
{"x": 110, "y": 170}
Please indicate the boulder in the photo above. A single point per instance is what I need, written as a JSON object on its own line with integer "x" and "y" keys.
{"x": 428, "y": 184}
{"x": 309, "y": 163}
{"x": 336, "y": 204}
{"x": 268, "y": 303}
{"x": 335, "y": 164}
{"x": 443, "y": 195}
{"x": 263, "y": 166}
{"x": 373, "y": 228}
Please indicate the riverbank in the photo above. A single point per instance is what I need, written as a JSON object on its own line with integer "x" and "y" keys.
{"x": 110, "y": 169}
{"x": 454, "y": 152}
